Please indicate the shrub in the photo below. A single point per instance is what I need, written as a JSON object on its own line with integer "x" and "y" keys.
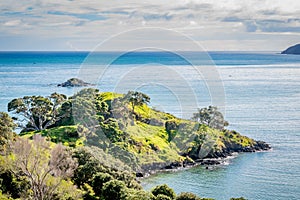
{"x": 187, "y": 196}
{"x": 165, "y": 190}
{"x": 114, "y": 189}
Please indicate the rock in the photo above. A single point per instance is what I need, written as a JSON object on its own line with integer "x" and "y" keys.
{"x": 139, "y": 174}
{"x": 74, "y": 82}
{"x": 151, "y": 121}
{"x": 292, "y": 50}
{"x": 262, "y": 146}
{"x": 210, "y": 162}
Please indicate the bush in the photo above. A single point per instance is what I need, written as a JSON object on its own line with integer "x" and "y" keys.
{"x": 162, "y": 197}
{"x": 99, "y": 180}
{"x": 140, "y": 195}
{"x": 165, "y": 190}
{"x": 187, "y": 196}
{"x": 114, "y": 189}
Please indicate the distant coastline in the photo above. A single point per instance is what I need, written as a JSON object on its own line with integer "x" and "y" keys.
{"x": 295, "y": 50}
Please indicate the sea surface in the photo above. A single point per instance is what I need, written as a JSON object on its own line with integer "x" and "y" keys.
{"x": 259, "y": 92}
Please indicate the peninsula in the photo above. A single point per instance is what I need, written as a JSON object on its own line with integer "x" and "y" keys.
{"x": 94, "y": 145}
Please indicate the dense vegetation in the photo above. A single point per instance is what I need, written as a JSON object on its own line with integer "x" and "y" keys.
{"x": 92, "y": 145}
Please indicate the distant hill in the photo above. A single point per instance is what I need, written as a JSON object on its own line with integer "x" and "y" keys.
{"x": 292, "y": 50}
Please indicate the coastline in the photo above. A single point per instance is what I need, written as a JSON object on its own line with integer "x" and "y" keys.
{"x": 214, "y": 159}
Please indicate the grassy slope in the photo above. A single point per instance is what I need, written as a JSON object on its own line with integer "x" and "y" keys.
{"x": 67, "y": 135}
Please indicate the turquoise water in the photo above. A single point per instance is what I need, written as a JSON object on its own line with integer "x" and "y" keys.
{"x": 262, "y": 92}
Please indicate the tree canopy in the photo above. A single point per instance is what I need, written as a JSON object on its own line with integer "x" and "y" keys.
{"x": 211, "y": 117}
{"x": 7, "y": 126}
{"x": 137, "y": 98}
{"x": 37, "y": 112}
{"x": 163, "y": 190}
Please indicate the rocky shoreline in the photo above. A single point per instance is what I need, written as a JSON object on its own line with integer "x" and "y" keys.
{"x": 212, "y": 159}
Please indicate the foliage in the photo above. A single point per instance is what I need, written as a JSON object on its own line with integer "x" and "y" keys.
{"x": 71, "y": 136}
{"x": 211, "y": 117}
{"x": 187, "y": 196}
{"x": 14, "y": 185}
{"x": 112, "y": 131}
{"x": 38, "y": 112}
{"x": 114, "y": 189}
{"x": 6, "y": 130}
{"x": 93, "y": 160}
{"x": 4, "y": 197}
{"x": 136, "y": 99}
{"x": 99, "y": 180}
{"x": 140, "y": 195}
{"x": 240, "y": 198}
{"x": 162, "y": 197}
{"x": 45, "y": 168}
{"x": 163, "y": 190}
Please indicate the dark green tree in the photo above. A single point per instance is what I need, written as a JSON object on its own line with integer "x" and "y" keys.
{"x": 140, "y": 195}
{"x": 7, "y": 134}
{"x": 187, "y": 196}
{"x": 163, "y": 190}
{"x": 37, "y": 112}
{"x": 99, "y": 180}
{"x": 211, "y": 117}
{"x": 114, "y": 189}
{"x": 137, "y": 99}
{"x": 240, "y": 198}
{"x": 162, "y": 197}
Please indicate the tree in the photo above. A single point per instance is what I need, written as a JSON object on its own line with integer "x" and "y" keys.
{"x": 240, "y": 198}
{"x": 140, "y": 195}
{"x": 137, "y": 98}
{"x": 163, "y": 190}
{"x": 99, "y": 180}
{"x": 187, "y": 196}
{"x": 47, "y": 169}
{"x": 162, "y": 197}
{"x": 37, "y": 112}
{"x": 211, "y": 117}
{"x": 114, "y": 189}
{"x": 7, "y": 126}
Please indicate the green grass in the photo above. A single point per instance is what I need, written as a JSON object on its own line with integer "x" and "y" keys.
{"x": 151, "y": 143}
{"x": 67, "y": 135}
{"x": 108, "y": 96}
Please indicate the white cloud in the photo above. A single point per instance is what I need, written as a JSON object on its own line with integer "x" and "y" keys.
{"x": 95, "y": 20}
{"x": 12, "y": 23}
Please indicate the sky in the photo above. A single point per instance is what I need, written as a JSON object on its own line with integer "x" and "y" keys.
{"x": 216, "y": 25}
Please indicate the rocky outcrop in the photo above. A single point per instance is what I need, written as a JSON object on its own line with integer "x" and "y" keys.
{"x": 292, "y": 50}
{"x": 213, "y": 158}
{"x": 231, "y": 148}
{"x": 74, "y": 82}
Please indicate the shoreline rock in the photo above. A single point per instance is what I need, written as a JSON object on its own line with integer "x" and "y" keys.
{"x": 214, "y": 159}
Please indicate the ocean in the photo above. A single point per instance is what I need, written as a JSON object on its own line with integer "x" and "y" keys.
{"x": 259, "y": 92}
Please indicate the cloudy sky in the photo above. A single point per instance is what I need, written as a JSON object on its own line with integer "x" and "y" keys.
{"x": 250, "y": 25}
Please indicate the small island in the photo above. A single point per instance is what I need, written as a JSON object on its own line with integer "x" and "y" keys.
{"x": 96, "y": 145}
{"x": 292, "y": 50}
{"x": 74, "y": 82}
